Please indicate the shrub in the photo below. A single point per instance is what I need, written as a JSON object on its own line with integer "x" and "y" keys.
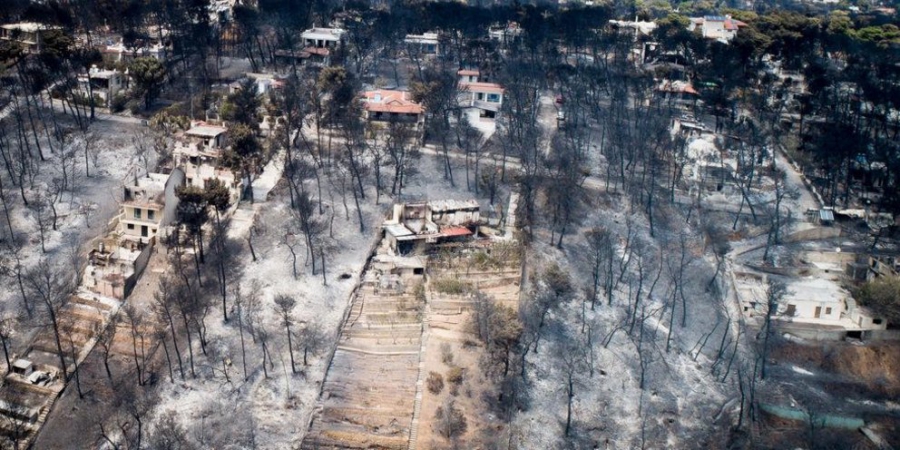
{"x": 447, "y": 354}
{"x": 456, "y": 375}
{"x": 134, "y": 106}
{"x": 118, "y": 103}
{"x": 451, "y": 286}
{"x": 435, "y": 383}
{"x": 449, "y": 420}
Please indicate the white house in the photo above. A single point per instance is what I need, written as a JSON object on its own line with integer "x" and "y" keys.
{"x": 505, "y": 33}
{"x": 423, "y": 44}
{"x": 201, "y": 156}
{"x": 114, "y": 53}
{"x": 487, "y": 97}
{"x": 721, "y": 28}
{"x": 468, "y": 75}
{"x": 209, "y": 137}
{"x": 413, "y": 224}
{"x": 105, "y": 84}
{"x": 142, "y": 210}
{"x": 328, "y": 38}
{"x": 386, "y": 105}
{"x": 28, "y": 34}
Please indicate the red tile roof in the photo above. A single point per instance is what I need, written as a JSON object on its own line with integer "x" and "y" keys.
{"x": 468, "y": 72}
{"x": 317, "y": 51}
{"x": 491, "y": 88}
{"x": 391, "y": 102}
{"x": 455, "y": 231}
{"x": 677, "y": 86}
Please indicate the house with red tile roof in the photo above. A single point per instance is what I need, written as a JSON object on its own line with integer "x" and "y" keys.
{"x": 488, "y": 97}
{"x": 720, "y": 28}
{"x": 387, "y": 106}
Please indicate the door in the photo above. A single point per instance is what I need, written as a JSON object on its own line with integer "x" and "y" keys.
{"x": 818, "y": 311}
{"x": 144, "y": 234}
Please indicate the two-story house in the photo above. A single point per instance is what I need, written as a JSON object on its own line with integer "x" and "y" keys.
{"x": 328, "y": 38}
{"x": 143, "y": 208}
{"x": 199, "y": 153}
{"x": 102, "y": 83}
{"x": 720, "y": 28}
{"x": 391, "y": 106}
{"x": 426, "y": 44}
{"x": 30, "y": 35}
{"x": 486, "y": 97}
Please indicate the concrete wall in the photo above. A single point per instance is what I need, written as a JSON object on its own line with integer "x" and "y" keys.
{"x": 139, "y": 265}
{"x": 176, "y": 179}
{"x": 812, "y": 334}
{"x": 814, "y": 234}
{"x": 881, "y": 335}
{"x": 806, "y": 310}
{"x": 127, "y": 218}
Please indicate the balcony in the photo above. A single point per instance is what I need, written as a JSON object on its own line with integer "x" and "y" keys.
{"x": 489, "y": 106}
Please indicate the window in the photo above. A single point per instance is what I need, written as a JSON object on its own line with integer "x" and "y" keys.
{"x": 876, "y": 321}
{"x": 827, "y": 311}
{"x": 137, "y": 213}
{"x": 130, "y": 226}
{"x": 791, "y": 310}
{"x": 151, "y": 214}
{"x": 481, "y": 96}
{"x": 493, "y": 98}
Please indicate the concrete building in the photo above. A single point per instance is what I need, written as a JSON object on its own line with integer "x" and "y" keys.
{"x": 468, "y": 76}
{"x": 30, "y": 35}
{"x": 412, "y": 225}
{"x": 102, "y": 83}
{"x": 487, "y": 97}
{"x": 680, "y": 93}
{"x": 388, "y": 106}
{"x": 328, "y": 38}
{"x": 119, "y": 52}
{"x": 200, "y": 155}
{"x": 113, "y": 268}
{"x": 423, "y": 44}
{"x": 149, "y": 205}
{"x": 720, "y": 28}
{"x": 505, "y": 33}
{"x": 207, "y": 136}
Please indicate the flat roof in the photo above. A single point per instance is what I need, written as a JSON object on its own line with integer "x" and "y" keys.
{"x": 422, "y": 38}
{"x": 814, "y": 289}
{"x": 205, "y": 130}
{"x": 398, "y": 230}
{"x": 22, "y": 363}
{"x": 29, "y": 27}
{"x": 332, "y": 34}
{"x": 452, "y": 205}
{"x": 400, "y": 261}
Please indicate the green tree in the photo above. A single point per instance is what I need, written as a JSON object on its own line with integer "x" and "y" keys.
{"x": 243, "y": 105}
{"x": 148, "y": 75}
{"x": 192, "y": 212}
{"x": 244, "y": 155}
{"x": 882, "y": 295}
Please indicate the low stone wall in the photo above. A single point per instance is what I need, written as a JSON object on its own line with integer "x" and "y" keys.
{"x": 814, "y": 234}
